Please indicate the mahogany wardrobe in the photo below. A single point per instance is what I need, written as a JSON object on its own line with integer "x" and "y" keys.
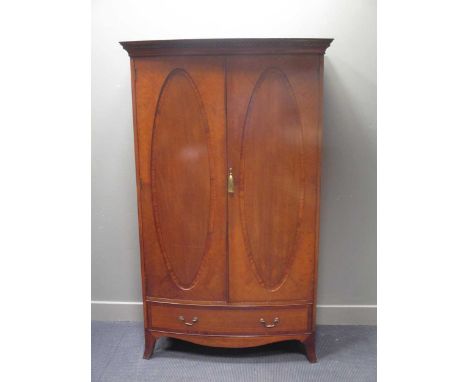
{"x": 227, "y": 150}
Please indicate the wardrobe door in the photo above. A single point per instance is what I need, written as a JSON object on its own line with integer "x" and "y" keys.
{"x": 181, "y": 163}
{"x": 273, "y": 125}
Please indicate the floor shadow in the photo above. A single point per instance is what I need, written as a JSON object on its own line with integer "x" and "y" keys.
{"x": 183, "y": 349}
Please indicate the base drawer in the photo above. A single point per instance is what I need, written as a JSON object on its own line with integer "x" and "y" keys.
{"x": 229, "y": 319}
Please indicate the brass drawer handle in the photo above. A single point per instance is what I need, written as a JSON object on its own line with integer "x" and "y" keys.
{"x": 194, "y": 320}
{"x": 275, "y": 322}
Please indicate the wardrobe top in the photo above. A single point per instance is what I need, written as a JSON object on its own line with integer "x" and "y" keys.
{"x": 227, "y": 46}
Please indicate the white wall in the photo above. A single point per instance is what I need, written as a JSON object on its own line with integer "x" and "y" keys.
{"x": 347, "y": 272}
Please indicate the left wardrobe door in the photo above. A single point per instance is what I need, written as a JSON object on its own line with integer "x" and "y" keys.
{"x": 180, "y": 146}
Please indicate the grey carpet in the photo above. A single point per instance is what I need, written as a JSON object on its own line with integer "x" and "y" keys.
{"x": 345, "y": 353}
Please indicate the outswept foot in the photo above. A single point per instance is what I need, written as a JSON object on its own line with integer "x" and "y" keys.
{"x": 150, "y": 341}
{"x": 309, "y": 345}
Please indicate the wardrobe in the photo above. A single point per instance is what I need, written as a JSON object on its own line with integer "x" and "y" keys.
{"x": 227, "y": 151}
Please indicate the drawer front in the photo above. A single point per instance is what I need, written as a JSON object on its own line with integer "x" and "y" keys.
{"x": 229, "y": 320}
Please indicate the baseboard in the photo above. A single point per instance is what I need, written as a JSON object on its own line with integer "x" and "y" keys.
{"x": 116, "y": 311}
{"x": 347, "y": 314}
{"x": 326, "y": 314}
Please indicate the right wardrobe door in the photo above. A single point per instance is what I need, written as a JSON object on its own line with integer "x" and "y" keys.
{"x": 273, "y": 141}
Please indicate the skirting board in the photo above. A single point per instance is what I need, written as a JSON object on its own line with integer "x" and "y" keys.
{"x": 326, "y": 314}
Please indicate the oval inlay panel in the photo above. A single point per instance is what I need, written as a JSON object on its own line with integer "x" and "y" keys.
{"x": 272, "y": 178}
{"x": 180, "y": 178}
